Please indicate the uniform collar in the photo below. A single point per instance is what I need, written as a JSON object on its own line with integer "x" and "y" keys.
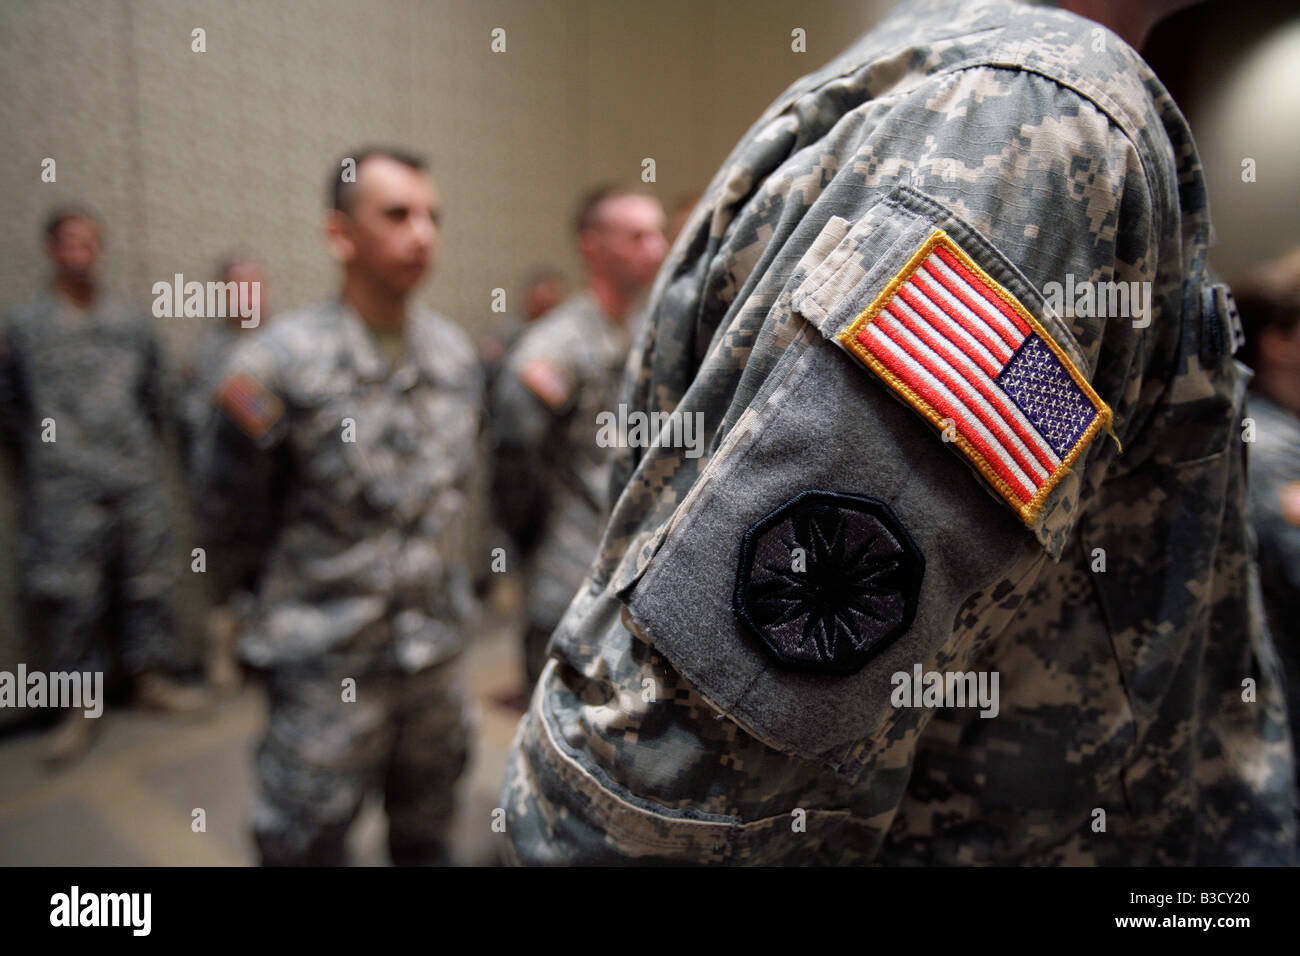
{"x": 61, "y": 305}
{"x": 359, "y": 345}
{"x": 369, "y": 361}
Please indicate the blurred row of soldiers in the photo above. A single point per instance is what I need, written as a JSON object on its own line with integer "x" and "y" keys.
{"x": 329, "y": 460}
{"x": 329, "y": 456}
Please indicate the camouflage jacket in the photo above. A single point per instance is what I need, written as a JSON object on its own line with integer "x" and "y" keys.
{"x": 563, "y": 372}
{"x": 741, "y": 675}
{"x": 101, "y": 378}
{"x": 1274, "y": 464}
{"x": 336, "y": 483}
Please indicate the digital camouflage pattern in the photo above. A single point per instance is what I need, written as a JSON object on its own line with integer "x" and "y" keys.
{"x": 406, "y": 736}
{"x": 553, "y": 476}
{"x": 352, "y": 531}
{"x": 94, "y": 523}
{"x": 1275, "y": 465}
{"x": 664, "y": 732}
{"x": 335, "y": 482}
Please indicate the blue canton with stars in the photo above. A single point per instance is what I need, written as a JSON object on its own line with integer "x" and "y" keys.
{"x": 1040, "y": 386}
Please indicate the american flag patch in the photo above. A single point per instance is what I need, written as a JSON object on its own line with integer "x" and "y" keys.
{"x": 249, "y": 404}
{"x": 961, "y": 349}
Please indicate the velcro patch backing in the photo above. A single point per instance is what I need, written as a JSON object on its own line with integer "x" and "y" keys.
{"x": 967, "y": 355}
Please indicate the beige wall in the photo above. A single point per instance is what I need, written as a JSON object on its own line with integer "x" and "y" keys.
{"x": 188, "y": 155}
{"x": 1253, "y": 112}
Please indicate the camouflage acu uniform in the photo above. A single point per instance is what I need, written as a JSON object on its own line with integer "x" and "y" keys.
{"x": 359, "y": 467}
{"x": 669, "y": 728}
{"x": 1275, "y": 463}
{"x": 94, "y": 516}
{"x": 552, "y": 476}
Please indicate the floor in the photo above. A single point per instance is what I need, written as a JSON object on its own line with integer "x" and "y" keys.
{"x": 131, "y": 799}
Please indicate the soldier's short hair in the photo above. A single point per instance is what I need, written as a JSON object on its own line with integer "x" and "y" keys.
{"x": 589, "y": 207}
{"x": 1268, "y": 297}
{"x": 341, "y": 194}
{"x": 61, "y": 214}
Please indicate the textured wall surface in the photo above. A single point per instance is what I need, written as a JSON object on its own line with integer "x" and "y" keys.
{"x": 189, "y": 155}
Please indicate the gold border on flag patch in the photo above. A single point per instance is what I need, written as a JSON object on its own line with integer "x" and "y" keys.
{"x": 955, "y": 334}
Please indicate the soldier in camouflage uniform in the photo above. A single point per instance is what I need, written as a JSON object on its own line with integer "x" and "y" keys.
{"x": 205, "y": 372}
{"x": 550, "y": 474}
{"x": 1269, "y": 299}
{"x": 724, "y": 685}
{"x": 345, "y": 436}
{"x": 82, "y": 386}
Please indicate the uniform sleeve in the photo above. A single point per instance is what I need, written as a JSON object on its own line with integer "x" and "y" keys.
{"x": 523, "y": 423}
{"x": 241, "y": 465}
{"x": 916, "y": 430}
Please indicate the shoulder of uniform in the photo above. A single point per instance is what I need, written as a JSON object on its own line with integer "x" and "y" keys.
{"x": 553, "y": 335}
{"x": 23, "y": 312}
{"x": 25, "y": 320}
{"x": 300, "y": 323}
{"x": 110, "y": 308}
{"x": 541, "y": 359}
{"x": 446, "y": 351}
{"x": 300, "y": 337}
{"x": 251, "y": 388}
{"x": 1023, "y": 104}
{"x": 448, "y": 337}
{"x": 285, "y": 343}
{"x": 1081, "y": 57}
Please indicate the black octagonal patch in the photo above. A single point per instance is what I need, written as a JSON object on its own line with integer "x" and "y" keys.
{"x": 827, "y": 580}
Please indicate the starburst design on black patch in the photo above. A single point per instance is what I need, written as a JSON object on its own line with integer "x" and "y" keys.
{"x": 851, "y": 591}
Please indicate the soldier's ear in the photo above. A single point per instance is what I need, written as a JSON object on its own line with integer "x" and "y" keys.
{"x": 338, "y": 233}
{"x": 588, "y": 245}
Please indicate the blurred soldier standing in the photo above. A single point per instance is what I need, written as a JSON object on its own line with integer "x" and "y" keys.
{"x": 82, "y": 397}
{"x": 888, "y": 308}
{"x": 345, "y": 436}
{"x": 542, "y": 291}
{"x": 1269, "y": 299}
{"x": 204, "y": 374}
{"x": 550, "y": 475}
